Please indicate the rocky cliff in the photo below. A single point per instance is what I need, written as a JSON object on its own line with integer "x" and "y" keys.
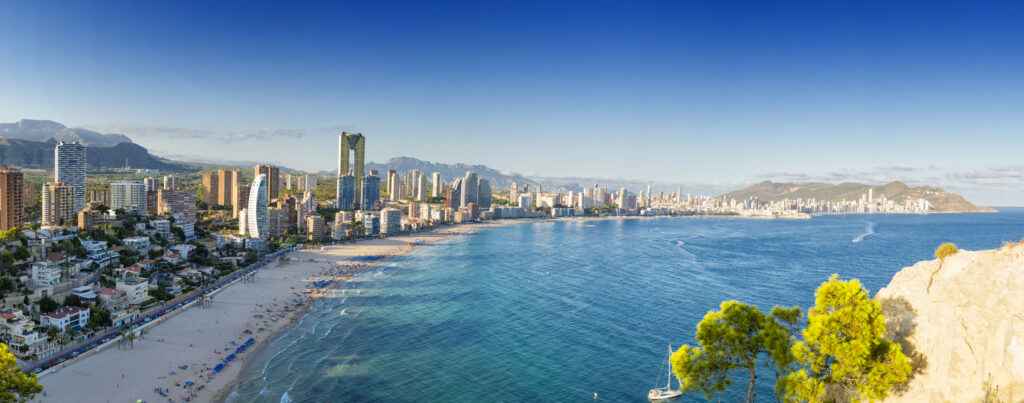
{"x": 961, "y": 320}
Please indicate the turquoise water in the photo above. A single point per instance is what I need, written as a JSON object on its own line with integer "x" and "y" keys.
{"x": 558, "y": 311}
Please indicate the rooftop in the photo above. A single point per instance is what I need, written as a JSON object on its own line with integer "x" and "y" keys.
{"x": 63, "y": 312}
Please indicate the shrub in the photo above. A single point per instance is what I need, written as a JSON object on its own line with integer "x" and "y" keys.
{"x": 945, "y": 250}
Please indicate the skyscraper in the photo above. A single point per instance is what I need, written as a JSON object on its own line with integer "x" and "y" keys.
{"x": 435, "y": 191}
{"x": 256, "y": 212}
{"x": 370, "y": 194}
{"x": 347, "y": 144}
{"x": 421, "y": 187}
{"x": 484, "y": 191}
{"x": 69, "y": 168}
{"x": 455, "y": 201}
{"x": 151, "y": 184}
{"x": 128, "y": 195}
{"x": 12, "y": 210}
{"x": 347, "y": 192}
{"x": 170, "y": 182}
{"x": 225, "y": 184}
{"x": 210, "y": 188}
{"x": 58, "y": 204}
{"x": 178, "y": 201}
{"x": 272, "y": 174}
{"x": 470, "y": 186}
{"x": 239, "y": 199}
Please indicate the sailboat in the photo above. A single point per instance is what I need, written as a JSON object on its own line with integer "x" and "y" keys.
{"x": 666, "y": 392}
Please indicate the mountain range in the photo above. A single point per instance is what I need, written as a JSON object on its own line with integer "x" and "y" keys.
{"x": 943, "y": 201}
{"x": 30, "y": 144}
{"x": 44, "y": 130}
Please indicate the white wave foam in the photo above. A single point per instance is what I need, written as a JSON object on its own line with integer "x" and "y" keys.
{"x": 870, "y": 229}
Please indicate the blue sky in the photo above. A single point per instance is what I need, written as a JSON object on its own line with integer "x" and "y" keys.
{"x": 687, "y": 92}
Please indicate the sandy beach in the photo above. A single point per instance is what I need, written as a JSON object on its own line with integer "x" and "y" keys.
{"x": 173, "y": 361}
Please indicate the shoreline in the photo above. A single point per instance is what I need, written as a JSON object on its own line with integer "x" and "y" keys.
{"x": 225, "y": 391}
{"x": 79, "y": 378}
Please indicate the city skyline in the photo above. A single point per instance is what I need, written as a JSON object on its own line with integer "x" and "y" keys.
{"x": 707, "y": 93}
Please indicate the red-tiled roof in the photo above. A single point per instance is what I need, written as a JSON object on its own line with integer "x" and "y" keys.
{"x": 63, "y": 312}
{"x": 109, "y": 291}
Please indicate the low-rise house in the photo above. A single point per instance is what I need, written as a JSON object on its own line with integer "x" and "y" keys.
{"x": 18, "y": 332}
{"x": 85, "y": 293}
{"x": 69, "y": 317}
{"x": 173, "y": 258}
{"x": 137, "y": 289}
{"x": 94, "y": 247}
{"x": 45, "y": 273}
{"x": 145, "y": 264}
{"x": 116, "y": 302}
{"x": 136, "y": 242}
{"x": 184, "y": 249}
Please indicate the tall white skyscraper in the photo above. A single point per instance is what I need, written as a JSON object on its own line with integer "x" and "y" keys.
{"x": 436, "y": 191}
{"x": 256, "y": 213}
{"x": 470, "y": 192}
{"x": 421, "y": 187}
{"x": 69, "y": 168}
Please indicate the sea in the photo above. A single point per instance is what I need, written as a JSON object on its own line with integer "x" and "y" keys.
{"x": 579, "y": 311}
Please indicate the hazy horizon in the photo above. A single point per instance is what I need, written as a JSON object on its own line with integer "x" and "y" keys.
{"x": 674, "y": 93}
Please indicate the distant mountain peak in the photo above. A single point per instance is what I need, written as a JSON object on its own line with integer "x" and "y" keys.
{"x": 45, "y": 130}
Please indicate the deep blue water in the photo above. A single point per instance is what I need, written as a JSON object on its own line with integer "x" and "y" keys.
{"x": 558, "y": 311}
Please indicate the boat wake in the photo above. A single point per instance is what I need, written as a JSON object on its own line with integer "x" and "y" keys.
{"x": 867, "y": 231}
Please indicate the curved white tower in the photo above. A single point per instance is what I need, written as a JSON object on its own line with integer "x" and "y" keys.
{"x": 256, "y": 214}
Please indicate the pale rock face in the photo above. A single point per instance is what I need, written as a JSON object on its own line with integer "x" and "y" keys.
{"x": 965, "y": 330}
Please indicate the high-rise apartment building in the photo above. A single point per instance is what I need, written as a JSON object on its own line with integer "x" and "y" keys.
{"x": 100, "y": 197}
{"x": 454, "y": 201}
{"x": 394, "y": 186}
{"x": 130, "y": 196}
{"x": 69, "y": 169}
{"x": 277, "y": 221}
{"x": 58, "y": 204}
{"x": 170, "y": 182}
{"x": 256, "y": 212}
{"x": 151, "y": 184}
{"x": 225, "y": 184}
{"x": 435, "y": 191}
{"x": 484, "y": 194}
{"x": 315, "y": 226}
{"x": 370, "y": 193}
{"x": 12, "y": 207}
{"x": 390, "y": 221}
{"x": 239, "y": 199}
{"x": 470, "y": 191}
{"x": 178, "y": 201}
{"x": 421, "y": 187}
{"x": 28, "y": 194}
{"x": 353, "y": 143}
{"x": 211, "y": 186}
{"x": 273, "y": 179}
{"x": 347, "y": 192}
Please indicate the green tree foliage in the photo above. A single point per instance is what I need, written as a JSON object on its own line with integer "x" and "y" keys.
{"x": 98, "y": 317}
{"x": 844, "y": 354}
{"x": 945, "y": 250}
{"x": 47, "y": 305}
{"x": 21, "y": 253}
{"x": 738, "y": 337}
{"x": 72, "y": 300}
{"x": 15, "y": 386}
{"x": 11, "y": 234}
